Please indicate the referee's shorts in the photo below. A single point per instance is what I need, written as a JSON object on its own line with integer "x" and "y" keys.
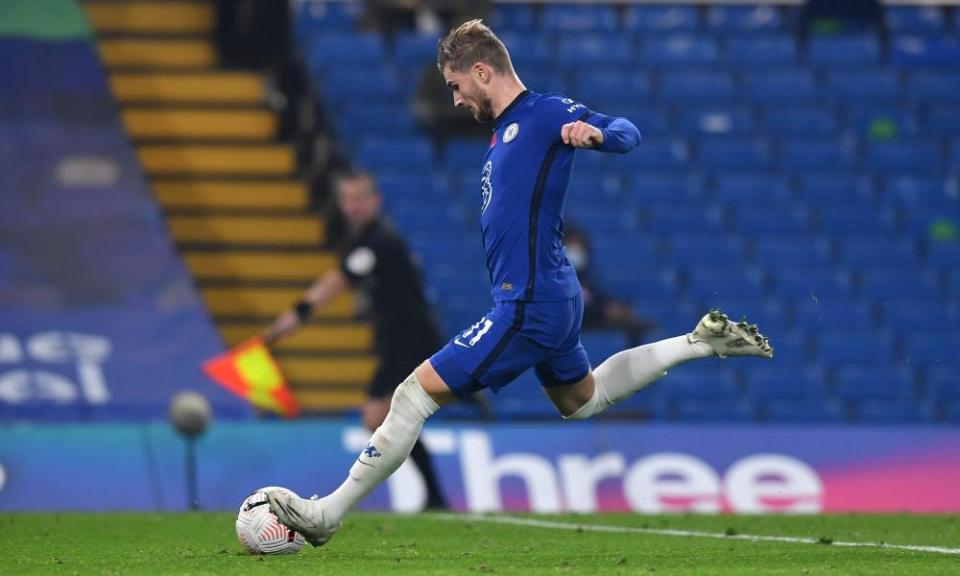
{"x": 397, "y": 361}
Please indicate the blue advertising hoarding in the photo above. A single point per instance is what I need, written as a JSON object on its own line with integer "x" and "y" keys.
{"x": 542, "y": 467}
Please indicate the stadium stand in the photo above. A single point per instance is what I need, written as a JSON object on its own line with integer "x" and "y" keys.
{"x": 825, "y": 173}
{"x": 236, "y": 204}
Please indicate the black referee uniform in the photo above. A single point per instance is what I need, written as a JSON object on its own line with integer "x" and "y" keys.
{"x": 378, "y": 263}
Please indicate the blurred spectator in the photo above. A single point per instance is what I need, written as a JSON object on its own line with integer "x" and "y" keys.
{"x": 435, "y": 112}
{"x": 601, "y": 311}
{"x": 431, "y": 17}
{"x": 826, "y": 17}
{"x": 253, "y": 33}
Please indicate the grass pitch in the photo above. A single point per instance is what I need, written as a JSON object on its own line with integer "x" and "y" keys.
{"x": 205, "y": 543}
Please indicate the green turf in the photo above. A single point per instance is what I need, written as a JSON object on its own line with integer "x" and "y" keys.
{"x": 204, "y": 543}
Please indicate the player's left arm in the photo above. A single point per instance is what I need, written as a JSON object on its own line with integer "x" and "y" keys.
{"x": 601, "y": 132}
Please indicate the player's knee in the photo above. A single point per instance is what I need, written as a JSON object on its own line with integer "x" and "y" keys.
{"x": 410, "y": 397}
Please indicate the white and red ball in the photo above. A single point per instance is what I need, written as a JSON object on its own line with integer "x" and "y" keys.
{"x": 258, "y": 529}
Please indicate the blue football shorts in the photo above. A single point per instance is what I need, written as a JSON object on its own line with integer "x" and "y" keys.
{"x": 512, "y": 338}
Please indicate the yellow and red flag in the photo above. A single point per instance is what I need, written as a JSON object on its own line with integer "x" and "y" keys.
{"x": 249, "y": 371}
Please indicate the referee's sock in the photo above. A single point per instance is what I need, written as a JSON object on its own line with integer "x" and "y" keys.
{"x": 631, "y": 370}
{"x": 389, "y": 446}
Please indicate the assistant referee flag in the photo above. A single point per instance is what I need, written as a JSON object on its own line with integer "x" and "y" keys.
{"x": 250, "y": 372}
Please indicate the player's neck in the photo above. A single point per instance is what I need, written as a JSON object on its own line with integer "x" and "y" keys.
{"x": 506, "y": 95}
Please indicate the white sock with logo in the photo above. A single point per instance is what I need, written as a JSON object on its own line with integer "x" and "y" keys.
{"x": 631, "y": 370}
{"x": 388, "y": 448}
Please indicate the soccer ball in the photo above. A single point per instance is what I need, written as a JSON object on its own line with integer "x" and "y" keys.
{"x": 258, "y": 529}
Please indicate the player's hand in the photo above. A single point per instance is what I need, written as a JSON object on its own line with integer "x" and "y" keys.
{"x": 579, "y": 134}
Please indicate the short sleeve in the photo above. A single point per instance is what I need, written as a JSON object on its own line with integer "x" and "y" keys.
{"x": 359, "y": 262}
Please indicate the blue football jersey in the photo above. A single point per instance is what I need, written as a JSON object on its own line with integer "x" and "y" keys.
{"x": 523, "y": 184}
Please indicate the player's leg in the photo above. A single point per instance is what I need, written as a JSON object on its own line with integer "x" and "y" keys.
{"x": 394, "y": 365}
{"x": 414, "y": 400}
{"x": 629, "y": 371}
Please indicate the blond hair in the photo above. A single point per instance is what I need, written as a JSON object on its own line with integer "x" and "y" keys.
{"x": 471, "y": 42}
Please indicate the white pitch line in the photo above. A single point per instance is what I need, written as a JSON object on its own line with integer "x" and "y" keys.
{"x": 534, "y": 523}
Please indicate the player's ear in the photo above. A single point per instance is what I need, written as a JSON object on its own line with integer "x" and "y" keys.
{"x": 481, "y": 72}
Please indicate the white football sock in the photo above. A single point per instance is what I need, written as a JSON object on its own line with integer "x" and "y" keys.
{"x": 388, "y": 448}
{"x": 631, "y": 370}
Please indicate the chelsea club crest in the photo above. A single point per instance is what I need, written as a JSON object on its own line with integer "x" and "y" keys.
{"x": 511, "y": 132}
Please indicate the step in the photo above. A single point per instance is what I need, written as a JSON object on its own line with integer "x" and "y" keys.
{"x": 160, "y": 159}
{"x": 328, "y": 370}
{"x": 150, "y": 53}
{"x": 269, "y": 266}
{"x": 249, "y": 230}
{"x": 153, "y": 17}
{"x": 267, "y": 303}
{"x": 170, "y": 87}
{"x": 228, "y": 195}
{"x": 185, "y": 124}
{"x": 311, "y": 400}
{"x": 316, "y": 336}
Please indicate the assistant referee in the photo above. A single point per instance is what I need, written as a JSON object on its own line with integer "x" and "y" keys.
{"x": 377, "y": 262}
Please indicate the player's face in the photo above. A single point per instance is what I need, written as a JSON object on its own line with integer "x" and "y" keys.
{"x": 358, "y": 201}
{"x": 469, "y": 93}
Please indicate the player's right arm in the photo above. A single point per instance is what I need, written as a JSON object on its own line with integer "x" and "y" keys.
{"x": 323, "y": 290}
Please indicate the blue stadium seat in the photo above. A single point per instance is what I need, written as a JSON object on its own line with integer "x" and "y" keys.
{"x": 921, "y": 157}
{"x": 920, "y": 52}
{"x": 843, "y": 51}
{"x": 660, "y": 155}
{"x": 881, "y": 122}
{"x": 846, "y": 346}
{"x": 768, "y": 222}
{"x": 589, "y": 51}
{"x": 755, "y": 52}
{"x": 645, "y": 187}
{"x": 666, "y": 19}
{"x": 717, "y": 121}
{"x": 801, "y": 412}
{"x": 775, "y": 381}
{"x": 798, "y": 121}
{"x": 714, "y": 410}
{"x": 652, "y": 121}
{"x": 915, "y": 316}
{"x": 343, "y": 85}
{"x": 463, "y": 154}
{"x": 583, "y": 18}
{"x": 510, "y": 18}
{"x": 414, "y": 51}
{"x": 706, "y": 284}
{"x": 943, "y": 383}
{"x": 942, "y": 121}
{"x": 831, "y": 188}
{"x": 877, "y": 249}
{"x": 704, "y": 380}
{"x": 940, "y": 86}
{"x": 312, "y": 19}
{"x": 913, "y": 190}
{"x": 523, "y": 398}
{"x": 675, "y": 216}
{"x": 529, "y": 51}
{"x": 624, "y": 250}
{"x": 585, "y": 185}
{"x": 926, "y": 20}
{"x": 744, "y": 19}
{"x": 806, "y": 155}
{"x": 861, "y": 87}
{"x": 598, "y": 84}
{"x": 373, "y": 120}
{"x": 782, "y": 87}
{"x": 696, "y": 87}
{"x": 772, "y": 251}
{"x": 602, "y": 344}
{"x": 405, "y": 186}
{"x": 802, "y": 283}
{"x": 944, "y": 254}
{"x": 823, "y": 314}
{"x": 681, "y": 50}
{"x": 873, "y": 381}
{"x": 704, "y": 248}
{"x": 890, "y": 412}
{"x": 414, "y": 155}
{"x": 734, "y": 154}
{"x": 932, "y": 348}
{"x": 757, "y": 188}
{"x": 346, "y": 49}
{"x": 894, "y": 282}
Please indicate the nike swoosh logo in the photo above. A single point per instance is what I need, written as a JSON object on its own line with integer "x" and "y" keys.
{"x": 365, "y": 463}
{"x": 459, "y": 343}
